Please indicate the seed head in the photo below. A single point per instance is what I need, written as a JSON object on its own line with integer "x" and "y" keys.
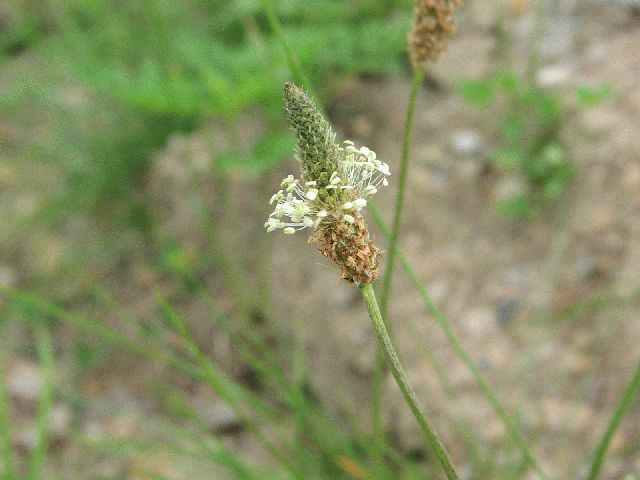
{"x": 347, "y": 243}
{"x": 433, "y": 24}
{"x": 336, "y": 182}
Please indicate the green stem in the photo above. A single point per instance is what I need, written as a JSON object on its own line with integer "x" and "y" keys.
{"x": 445, "y": 326}
{"x": 533, "y": 60}
{"x": 6, "y": 450}
{"x": 558, "y": 247}
{"x": 400, "y": 195}
{"x": 46, "y": 352}
{"x": 629, "y": 395}
{"x": 384, "y": 340}
{"x": 378, "y": 372}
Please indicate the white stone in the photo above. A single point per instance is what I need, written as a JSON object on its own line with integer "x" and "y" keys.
{"x": 466, "y": 142}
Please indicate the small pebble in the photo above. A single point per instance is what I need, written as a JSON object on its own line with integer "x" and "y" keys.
{"x": 554, "y": 75}
{"x": 507, "y": 310}
{"x": 217, "y": 414}
{"x": 466, "y": 142}
{"x": 8, "y": 277}
{"x": 24, "y": 381}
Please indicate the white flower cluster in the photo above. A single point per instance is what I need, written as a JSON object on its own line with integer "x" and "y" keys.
{"x": 301, "y": 205}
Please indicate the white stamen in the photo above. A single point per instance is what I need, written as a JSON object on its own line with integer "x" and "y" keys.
{"x": 287, "y": 181}
{"x": 302, "y": 204}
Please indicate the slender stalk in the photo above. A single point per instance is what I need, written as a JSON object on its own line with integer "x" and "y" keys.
{"x": 471, "y": 437}
{"x": 445, "y": 326}
{"x": 400, "y": 195}
{"x": 45, "y": 351}
{"x": 318, "y": 425}
{"x": 231, "y": 267}
{"x": 384, "y": 340}
{"x": 292, "y": 59}
{"x": 378, "y": 372}
{"x": 6, "y": 451}
{"x": 533, "y": 60}
{"x": 630, "y": 394}
{"x": 557, "y": 250}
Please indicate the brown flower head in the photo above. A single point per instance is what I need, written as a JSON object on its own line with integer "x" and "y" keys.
{"x": 433, "y": 24}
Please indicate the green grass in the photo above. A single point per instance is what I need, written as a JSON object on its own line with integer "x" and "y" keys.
{"x": 629, "y": 395}
{"x": 329, "y": 447}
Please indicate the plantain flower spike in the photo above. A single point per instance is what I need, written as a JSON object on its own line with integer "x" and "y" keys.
{"x": 337, "y": 179}
{"x": 433, "y": 24}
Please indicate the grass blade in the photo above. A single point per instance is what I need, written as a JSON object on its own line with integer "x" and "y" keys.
{"x": 116, "y": 338}
{"x": 630, "y": 394}
{"x": 292, "y": 59}
{"x": 44, "y": 344}
{"x": 445, "y": 326}
{"x": 231, "y": 391}
{"x": 213, "y": 378}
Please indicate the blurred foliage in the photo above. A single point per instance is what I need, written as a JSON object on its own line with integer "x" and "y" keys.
{"x": 153, "y": 67}
{"x": 529, "y": 129}
{"x": 267, "y": 152}
{"x": 194, "y": 58}
{"x": 99, "y": 87}
{"x": 592, "y": 96}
